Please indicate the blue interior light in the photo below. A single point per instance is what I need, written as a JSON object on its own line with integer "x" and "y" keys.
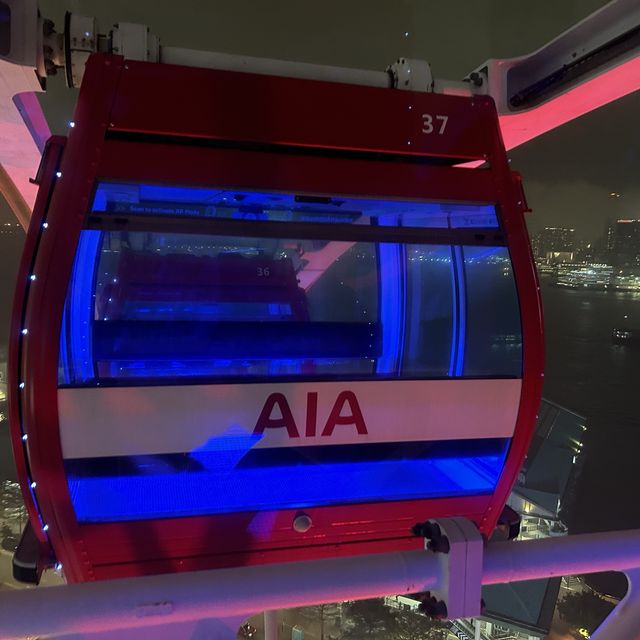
{"x": 224, "y": 480}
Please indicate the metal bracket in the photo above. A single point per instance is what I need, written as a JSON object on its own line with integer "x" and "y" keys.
{"x": 458, "y": 546}
{"x": 411, "y": 75}
{"x": 80, "y": 41}
{"x": 134, "y": 42}
{"x": 31, "y": 557}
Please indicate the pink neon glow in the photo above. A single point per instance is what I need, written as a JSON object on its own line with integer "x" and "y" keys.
{"x": 33, "y": 116}
{"x": 21, "y": 158}
{"x": 592, "y": 94}
{"x": 318, "y": 262}
{"x": 22, "y": 130}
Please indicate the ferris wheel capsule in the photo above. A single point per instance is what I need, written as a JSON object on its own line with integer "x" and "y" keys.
{"x": 254, "y": 324}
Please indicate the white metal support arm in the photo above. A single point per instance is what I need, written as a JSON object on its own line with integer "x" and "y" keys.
{"x": 595, "y": 62}
{"x": 158, "y": 601}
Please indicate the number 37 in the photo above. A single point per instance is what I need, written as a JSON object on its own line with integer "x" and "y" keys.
{"x": 428, "y": 125}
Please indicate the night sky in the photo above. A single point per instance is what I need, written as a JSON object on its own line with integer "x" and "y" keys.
{"x": 568, "y": 173}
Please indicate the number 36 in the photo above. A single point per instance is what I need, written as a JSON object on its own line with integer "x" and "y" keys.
{"x": 428, "y": 125}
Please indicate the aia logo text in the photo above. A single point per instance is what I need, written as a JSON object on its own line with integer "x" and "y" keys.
{"x": 345, "y": 413}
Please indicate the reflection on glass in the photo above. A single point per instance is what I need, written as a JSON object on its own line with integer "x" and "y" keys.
{"x": 152, "y": 305}
{"x": 494, "y": 336}
{"x": 204, "y": 304}
{"x": 190, "y": 202}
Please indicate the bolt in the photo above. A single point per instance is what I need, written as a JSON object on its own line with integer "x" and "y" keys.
{"x": 439, "y": 545}
{"x": 436, "y": 540}
{"x": 425, "y": 529}
{"x": 302, "y": 523}
{"x": 475, "y": 78}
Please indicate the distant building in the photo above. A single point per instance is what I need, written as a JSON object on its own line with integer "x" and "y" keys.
{"x": 585, "y": 276}
{"x": 591, "y": 252}
{"x": 11, "y": 230}
{"x": 611, "y": 234}
{"x": 555, "y": 244}
{"x": 624, "y": 243}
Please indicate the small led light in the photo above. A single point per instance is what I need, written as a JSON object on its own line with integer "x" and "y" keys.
{"x": 45, "y": 225}
{"x": 58, "y": 566}
{"x": 406, "y": 34}
{"x": 24, "y": 332}
{"x": 25, "y": 437}
{"x": 72, "y": 124}
{"x": 87, "y": 34}
{"x": 33, "y": 485}
{"x": 32, "y": 277}
{"x": 21, "y": 385}
{"x": 58, "y": 174}
{"x": 45, "y": 528}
